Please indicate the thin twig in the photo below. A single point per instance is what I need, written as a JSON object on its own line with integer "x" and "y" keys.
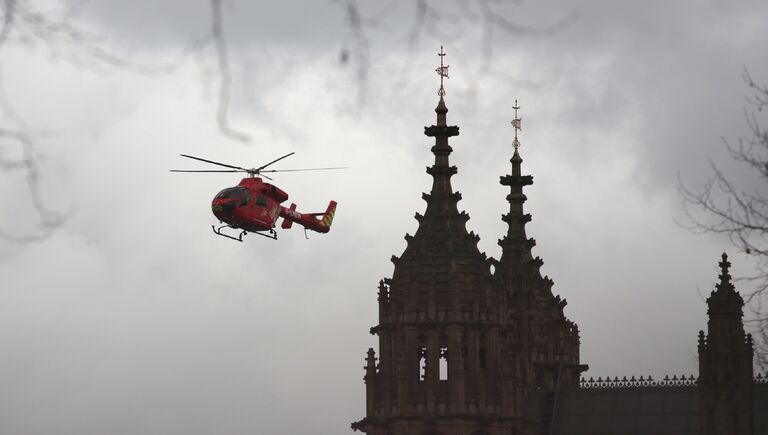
{"x": 225, "y": 75}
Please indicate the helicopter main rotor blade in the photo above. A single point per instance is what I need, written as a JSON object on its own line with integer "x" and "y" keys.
{"x": 216, "y": 170}
{"x": 257, "y": 170}
{"x": 206, "y": 170}
{"x": 306, "y": 169}
{"x": 214, "y": 163}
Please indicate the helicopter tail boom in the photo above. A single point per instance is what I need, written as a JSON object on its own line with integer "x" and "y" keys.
{"x": 287, "y": 223}
{"x": 320, "y": 222}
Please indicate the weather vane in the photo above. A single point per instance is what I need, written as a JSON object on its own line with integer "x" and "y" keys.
{"x": 516, "y": 123}
{"x": 442, "y": 71}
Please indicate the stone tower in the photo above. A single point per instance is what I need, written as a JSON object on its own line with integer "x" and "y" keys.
{"x": 725, "y": 363}
{"x": 461, "y": 348}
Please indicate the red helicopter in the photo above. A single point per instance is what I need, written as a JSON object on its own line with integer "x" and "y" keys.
{"x": 254, "y": 205}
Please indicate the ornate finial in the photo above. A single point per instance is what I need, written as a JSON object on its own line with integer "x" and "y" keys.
{"x": 724, "y": 264}
{"x": 442, "y": 71}
{"x": 518, "y": 126}
{"x": 725, "y": 276}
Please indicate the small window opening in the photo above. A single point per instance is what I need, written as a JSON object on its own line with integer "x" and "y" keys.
{"x": 422, "y": 363}
{"x": 443, "y": 364}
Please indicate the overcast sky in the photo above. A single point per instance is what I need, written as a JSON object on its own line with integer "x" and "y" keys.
{"x": 133, "y": 318}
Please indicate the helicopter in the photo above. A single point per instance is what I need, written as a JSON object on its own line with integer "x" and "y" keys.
{"x": 253, "y": 206}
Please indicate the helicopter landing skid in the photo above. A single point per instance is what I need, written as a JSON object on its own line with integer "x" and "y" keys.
{"x": 270, "y": 235}
{"x": 239, "y": 238}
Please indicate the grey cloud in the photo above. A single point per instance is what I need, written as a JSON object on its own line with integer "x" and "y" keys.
{"x": 134, "y": 318}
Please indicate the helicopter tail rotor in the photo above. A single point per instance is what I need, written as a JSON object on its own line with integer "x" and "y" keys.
{"x": 327, "y": 219}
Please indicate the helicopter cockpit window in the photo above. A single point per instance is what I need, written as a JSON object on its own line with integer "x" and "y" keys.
{"x": 232, "y": 192}
{"x": 245, "y": 199}
{"x": 261, "y": 200}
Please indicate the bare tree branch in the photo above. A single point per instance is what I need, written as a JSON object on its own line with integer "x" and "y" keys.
{"x": 49, "y": 220}
{"x": 720, "y": 207}
{"x": 359, "y": 47}
{"x": 225, "y": 75}
{"x": 480, "y": 14}
{"x": 23, "y": 25}
{"x": 9, "y": 11}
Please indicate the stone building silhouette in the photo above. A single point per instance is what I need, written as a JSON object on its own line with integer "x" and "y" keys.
{"x": 470, "y": 345}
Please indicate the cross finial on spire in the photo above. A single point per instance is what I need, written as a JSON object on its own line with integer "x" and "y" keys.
{"x": 725, "y": 284}
{"x": 724, "y": 264}
{"x": 442, "y": 71}
{"x": 725, "y": 277}
{"x": 518, "y": 126}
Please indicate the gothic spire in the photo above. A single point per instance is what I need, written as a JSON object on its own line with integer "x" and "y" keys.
{"x": 516, "y": 243}
{"x": 441, "y": 171}
{"x": 442, "y": 236}
{"x": 441, "y": 131}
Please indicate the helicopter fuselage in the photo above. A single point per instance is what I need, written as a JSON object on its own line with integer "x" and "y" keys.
{"x": 254, "y": 206}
